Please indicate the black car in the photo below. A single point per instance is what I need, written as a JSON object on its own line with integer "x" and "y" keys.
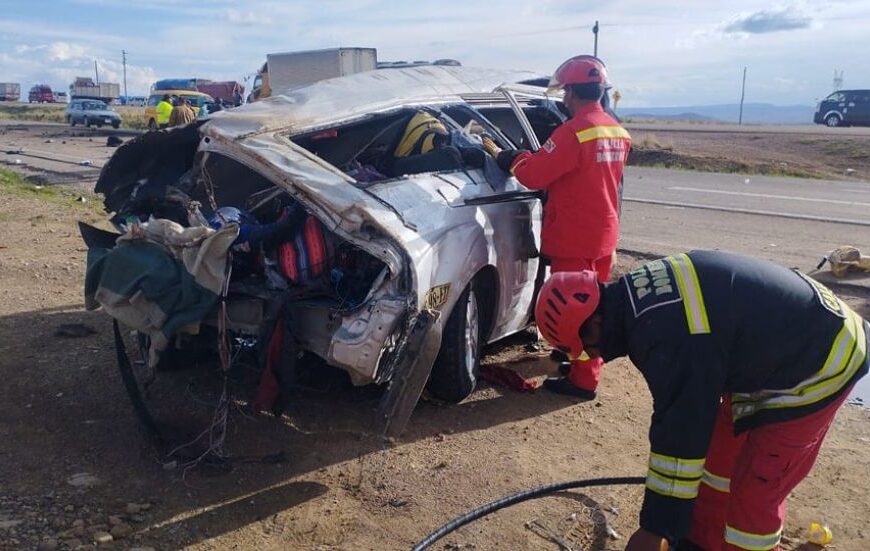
{"x": 844, "y": 108}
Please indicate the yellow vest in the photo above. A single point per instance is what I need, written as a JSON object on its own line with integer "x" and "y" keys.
{"x": 164, "y": 109}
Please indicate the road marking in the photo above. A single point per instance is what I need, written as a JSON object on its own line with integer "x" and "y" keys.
{"x": 749, "y": 211}
{"x": 857, "y": 190}
{"x": 769, "y": 196}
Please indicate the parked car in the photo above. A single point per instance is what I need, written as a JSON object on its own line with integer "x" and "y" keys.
{"x": 91, "y": 112}
{"x": 60, "y": 97}
{"x": 195, "y": 99}
{"x": 844, "y": 108}
{"x": 419, "y": 266}
{"x": 41, "y": 93}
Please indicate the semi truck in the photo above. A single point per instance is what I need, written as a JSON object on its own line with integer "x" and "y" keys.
{"x": 10, "y": 91}
{"x": 229, "y": 91}
{"x": 289, "y": 70}
{"x": 85, "y": 88}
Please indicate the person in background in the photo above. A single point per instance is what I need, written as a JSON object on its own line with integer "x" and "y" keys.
{"x": 164, "y": 111}
{"x": 182, "y": 113}
{"x": 580, "y": 167}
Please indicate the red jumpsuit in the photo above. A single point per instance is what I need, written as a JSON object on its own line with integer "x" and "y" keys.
{"x": 580, "y": 167}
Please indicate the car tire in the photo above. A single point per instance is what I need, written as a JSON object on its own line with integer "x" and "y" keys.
{"x": 832, "y": 121}
{"x": 86, "y": 122}
{"x": 116, "y": 125}
{"x": 454, "y": 374}
{"x": 152, "y": 125}
{"x": 72, "y": 121}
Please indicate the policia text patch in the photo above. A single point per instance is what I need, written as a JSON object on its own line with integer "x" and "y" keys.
{"x": 652, "y": 285}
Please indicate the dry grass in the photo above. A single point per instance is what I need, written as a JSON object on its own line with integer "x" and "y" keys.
{"x": 131, "y": 117}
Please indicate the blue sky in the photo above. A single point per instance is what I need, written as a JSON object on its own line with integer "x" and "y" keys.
{"x": 680, "y": 52}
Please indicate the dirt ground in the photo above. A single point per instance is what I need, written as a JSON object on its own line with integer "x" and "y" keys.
{"x": 76, "y": 467}
{"x": 774, "y": 153}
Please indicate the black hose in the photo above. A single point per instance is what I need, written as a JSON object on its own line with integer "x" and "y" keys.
{"x": 513, "y": 499}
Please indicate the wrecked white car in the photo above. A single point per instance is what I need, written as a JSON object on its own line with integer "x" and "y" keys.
{"x": 329, "y": 223}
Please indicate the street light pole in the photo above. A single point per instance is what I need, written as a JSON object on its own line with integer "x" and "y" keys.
{"x": 595, "y": 32}
{"x": 742, "y": 95}
{"x": 124, "y": 62}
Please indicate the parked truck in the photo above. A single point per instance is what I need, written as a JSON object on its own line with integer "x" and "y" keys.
{"x": 228, "y": 91}
{"x": 40, "y": 93}
{"x": 289, "y": 70}
{"x": 10, "y": 91}
{"x": 85, "y": 88}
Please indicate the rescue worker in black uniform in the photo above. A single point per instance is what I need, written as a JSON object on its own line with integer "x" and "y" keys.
{"x": 747, "y": 363}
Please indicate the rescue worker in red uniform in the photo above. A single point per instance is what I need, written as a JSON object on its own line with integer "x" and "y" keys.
{"x": 747, "y": 363}
{"x": 580, "y": 167}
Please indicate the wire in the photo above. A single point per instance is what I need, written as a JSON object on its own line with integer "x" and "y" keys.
{"x": 513, "y": 499}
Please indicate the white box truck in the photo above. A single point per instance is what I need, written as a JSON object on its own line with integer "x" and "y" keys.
{"x": 10, "y": 91}
{"x": 289, "y": 70}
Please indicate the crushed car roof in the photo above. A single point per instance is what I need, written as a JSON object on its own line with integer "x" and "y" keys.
{"x": 347, "y": 97}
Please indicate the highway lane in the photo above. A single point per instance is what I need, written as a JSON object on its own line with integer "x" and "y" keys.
{"x": 823, "y": 200}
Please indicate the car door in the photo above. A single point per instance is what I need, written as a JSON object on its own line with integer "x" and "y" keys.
{"x": 860, "y": 113}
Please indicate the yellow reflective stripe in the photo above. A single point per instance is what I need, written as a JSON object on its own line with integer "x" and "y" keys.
{"x": 848, "y": 353}
{"x": 718, "y": 483}
{"x": 752, "y": 542}
{"x": 676, "y": 466}
{"x": 693, "y": 298}
{"x": 672, "y": 487}
{"x": 597, "y": 132}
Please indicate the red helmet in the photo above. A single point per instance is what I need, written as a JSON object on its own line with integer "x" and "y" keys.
{"x": 565, "y": 302}
{"x": 581, "y": 69}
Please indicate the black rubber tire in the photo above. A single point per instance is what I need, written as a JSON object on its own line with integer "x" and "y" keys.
{"x": 454, "y": 374}
{"x": 832, "y": 121}
{"x": 72, "y": 121}
{"x": 116, "y": 125}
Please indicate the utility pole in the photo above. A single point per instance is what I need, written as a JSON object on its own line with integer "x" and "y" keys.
{"x": 742, "y": 96}
{"x": 96, "y": 72}
{"x": 124, "y": 63}
{"x": 595, "y": 32}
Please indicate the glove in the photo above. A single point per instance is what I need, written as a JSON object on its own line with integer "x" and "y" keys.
{"x": 473, "y": 156}
{"x": 490, "y": 146}
{"x": 506, "y": 158}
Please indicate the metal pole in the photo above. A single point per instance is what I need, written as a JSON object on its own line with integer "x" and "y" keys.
{"x": 96, "y": 72}
{"x": 742, "y": 95}
{"x": 595, "y": 32}
{"x": 124, "y": 60}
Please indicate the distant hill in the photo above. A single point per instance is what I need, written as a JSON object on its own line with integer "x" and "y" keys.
{"x": 753, "y": 113}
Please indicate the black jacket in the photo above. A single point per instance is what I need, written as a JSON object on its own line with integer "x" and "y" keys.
{"x": 706, "y": 323}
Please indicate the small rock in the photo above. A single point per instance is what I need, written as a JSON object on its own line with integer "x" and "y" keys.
{"x": 103, "y": 537}
{"x": 82, "y": 199}
{"x": 69, "y": 508}
{"x": 49, "y": 141}
{"x": 132, "y": 508}
{"x": 74, "y": 543}
{"x": 78, "y": 523}
{"x": 142, "y": 549}
{"x": 94, "y": 528}
{"x": 121, "y": 530}
{"x": 83, "y": 480}
{"x": 8, "y": 524}
{"x": 115, "y": 520}
{"x": 48, "y": 544}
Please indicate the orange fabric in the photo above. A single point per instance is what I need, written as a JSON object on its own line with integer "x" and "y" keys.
{"x": 581, "y": 218}
{"x": 764, "y": 465}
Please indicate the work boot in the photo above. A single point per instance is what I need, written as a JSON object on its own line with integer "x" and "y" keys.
{"x": 561, "y": 385}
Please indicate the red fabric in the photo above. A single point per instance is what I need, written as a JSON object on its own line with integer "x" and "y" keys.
{"x": 268, "y": 390}
{"x": 504, "y": 376}
{"x": 764, "y": 465}
{"x": 585, "y": 374}
{"x": 581, "y": 217}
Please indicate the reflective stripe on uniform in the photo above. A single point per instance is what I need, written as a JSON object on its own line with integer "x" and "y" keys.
{"x": 676, "y": 466}
{"x": 690, "y": 288}
{"x": 674, "y": 476}
{"x": 597, "y": 132}
{"x": 752, "y": 542}
{"x": 848, "y": 353}
{"x": 718, "y": 483}
{"x": 672, "y": 487}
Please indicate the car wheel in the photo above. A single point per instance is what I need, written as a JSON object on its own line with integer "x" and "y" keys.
{"x": 832, "y": 121}
{"x": 454, "y": 374}
{"x": 152, "y": 125}
{"x": 116, "y": 124}
{"x": 86, "y": 122}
